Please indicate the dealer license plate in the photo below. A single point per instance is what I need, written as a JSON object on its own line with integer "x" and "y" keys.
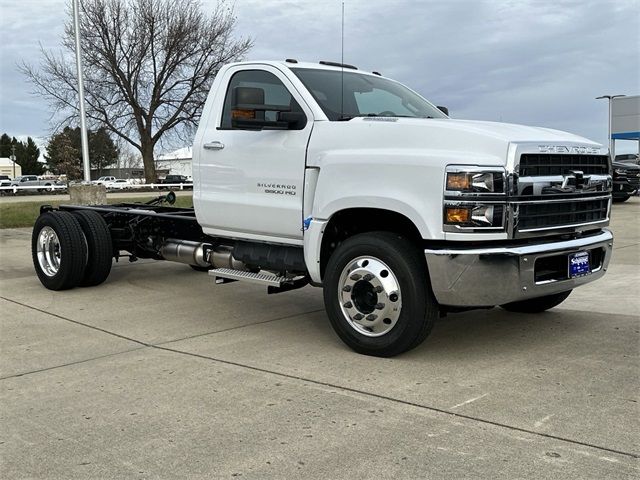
{"x": 579, "y": 264}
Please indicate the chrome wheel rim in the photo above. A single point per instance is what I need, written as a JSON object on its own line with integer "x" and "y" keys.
{"x": 48, "y": 250}
{"x": 370, "y": 297}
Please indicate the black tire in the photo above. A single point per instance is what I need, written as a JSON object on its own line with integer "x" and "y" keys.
{"x": 621, "y": 199}
{"x": 419, "y": 308}
{"x": 99, "y": 246}
{"x": 537, "y": 305}
{"x": 72, "y": 251}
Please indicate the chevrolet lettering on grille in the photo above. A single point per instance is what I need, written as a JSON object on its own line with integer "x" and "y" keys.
{"x": 580, "y": 150}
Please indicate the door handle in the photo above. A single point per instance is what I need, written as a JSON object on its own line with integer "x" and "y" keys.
{"x": 214, "y": 145}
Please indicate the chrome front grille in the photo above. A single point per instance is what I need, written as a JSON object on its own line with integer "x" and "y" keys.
{"x": 543, "y": 215}
{"x": 552, "y": 193}
{"x": 547, "y": 164}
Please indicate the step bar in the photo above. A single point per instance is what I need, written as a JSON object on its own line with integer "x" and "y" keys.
{"x": 222, "y": 274}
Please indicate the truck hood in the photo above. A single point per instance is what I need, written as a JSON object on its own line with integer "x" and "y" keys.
{"x": 435, "y": 141}
{"x": 511, "y": 132}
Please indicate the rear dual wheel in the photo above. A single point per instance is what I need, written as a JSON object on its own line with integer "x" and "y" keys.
{"x": 71, "y": 249}
{"x": 99, "y": 247}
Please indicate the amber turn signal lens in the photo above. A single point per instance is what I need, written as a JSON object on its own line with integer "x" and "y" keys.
{"x": 458, "y": 215}
{"x": 458, "y": 181}
{"x": 246, "y": 114}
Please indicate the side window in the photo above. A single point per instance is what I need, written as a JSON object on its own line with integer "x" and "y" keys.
{"x": 275, "y": 93}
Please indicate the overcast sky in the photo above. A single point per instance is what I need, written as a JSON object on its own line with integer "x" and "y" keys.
{"x": 532, "y": 62}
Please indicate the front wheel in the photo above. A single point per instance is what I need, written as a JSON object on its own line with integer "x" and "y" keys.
{"x": 377, "y": 294}
{"x": 537, "y": 305}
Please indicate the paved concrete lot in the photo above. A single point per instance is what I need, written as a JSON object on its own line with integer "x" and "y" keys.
{"x": 158, "y": 373}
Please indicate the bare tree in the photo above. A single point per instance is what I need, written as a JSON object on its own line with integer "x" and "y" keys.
{"x": 148, "y": 66}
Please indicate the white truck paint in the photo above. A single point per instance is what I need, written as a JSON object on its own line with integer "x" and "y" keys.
{"x": 398, "y": 211}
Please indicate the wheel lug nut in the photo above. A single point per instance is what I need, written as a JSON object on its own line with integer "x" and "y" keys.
{"x": 368, "y": 277}
{"x": 346, "y": 288}
{"x": 378, "y": 289}
{"x": 347, "y": 305}
{"x": 379, "y": 306}
{"x": 358, "y": 316}
{"x": 355, "y": 277}
{"x": 372, "y": 317}
{"x": 393, "y": 297}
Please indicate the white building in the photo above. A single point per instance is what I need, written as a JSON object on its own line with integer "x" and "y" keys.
{"x": 175, "y": 163}
{"x": 7, "y": 168}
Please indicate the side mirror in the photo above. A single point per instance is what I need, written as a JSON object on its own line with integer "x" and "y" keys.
{"x": 444, "y": 110}
{"x": 248, "y": 111}
{"x": 294, "y": 120}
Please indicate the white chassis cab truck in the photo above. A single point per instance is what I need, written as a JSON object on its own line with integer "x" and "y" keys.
{"x": 326, "y": 175}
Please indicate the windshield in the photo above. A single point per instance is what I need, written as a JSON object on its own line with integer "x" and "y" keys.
{"x": 364, "y": 96}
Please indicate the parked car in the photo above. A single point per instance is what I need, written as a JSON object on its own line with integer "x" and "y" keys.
{"x": 628, "y": 158}
{"x": 34, "y": 181}
{"x": 5, "y": 181}
{"x": 626, "y": 177}
{"x": 118, "y": 184}
{"x": 177, "y": 180}
{"x": 104, "y": 180}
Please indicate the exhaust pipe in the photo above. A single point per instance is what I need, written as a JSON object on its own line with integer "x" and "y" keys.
{"x": 200, "y": 254}
{"x": 184, "y": 251}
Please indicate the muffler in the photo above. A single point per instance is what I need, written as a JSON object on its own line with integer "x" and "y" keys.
{"x": 184, "y": 251}
{"x": 200, "y": 254}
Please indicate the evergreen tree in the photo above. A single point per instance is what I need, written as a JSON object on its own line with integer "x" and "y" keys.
{"x": 27, "y": 154}
{"x": 5, "y": 146}
{"x": 103, "y": 152}
{"x": 62, "y": 157}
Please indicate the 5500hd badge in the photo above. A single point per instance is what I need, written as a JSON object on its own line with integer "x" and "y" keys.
{"x": 277, "y": 188}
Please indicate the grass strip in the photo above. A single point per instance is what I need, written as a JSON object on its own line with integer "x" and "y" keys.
{"x": 24, "y": 214}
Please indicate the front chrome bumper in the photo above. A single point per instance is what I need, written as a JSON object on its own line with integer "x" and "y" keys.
{"x": 479, "y": 277}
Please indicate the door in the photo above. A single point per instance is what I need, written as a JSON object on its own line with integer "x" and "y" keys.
{"x": 251, "y": 181}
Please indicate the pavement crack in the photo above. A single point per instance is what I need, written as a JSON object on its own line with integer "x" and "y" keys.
{"x": 626, "y": 246}
{"x": 77, "y": 362}
{"x": 318, "y": 382}
{"x": 236, "y": 328}
{"x": 123, "y": 337}
{"x": 403, "y": 402}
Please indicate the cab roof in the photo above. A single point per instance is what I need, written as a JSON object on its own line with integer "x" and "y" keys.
{"x": 322, "y": 65}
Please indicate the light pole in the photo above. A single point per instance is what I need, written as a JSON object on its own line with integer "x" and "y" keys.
{"x": 612, "y": 145}
{"x": 83, "y": 121}
{"x": 13, "y": 159}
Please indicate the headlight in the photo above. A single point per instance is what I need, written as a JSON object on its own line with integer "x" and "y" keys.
{"x": 474, "y": 215}
{"x": 463, "y": 179}
{"x": 474, "y": 199}
{"x": 620, "y": 171}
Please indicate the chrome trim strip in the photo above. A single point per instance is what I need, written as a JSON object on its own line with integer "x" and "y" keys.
{"x": 559, "y": 200}
{"x": 576, "y": 243}
{"x": 560, "y": 227}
